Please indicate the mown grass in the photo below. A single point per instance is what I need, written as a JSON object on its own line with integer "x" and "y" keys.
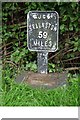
{"x": 24, "y": 95}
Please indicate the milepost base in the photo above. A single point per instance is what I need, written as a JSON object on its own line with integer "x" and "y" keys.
{"x": 49, "y": 80}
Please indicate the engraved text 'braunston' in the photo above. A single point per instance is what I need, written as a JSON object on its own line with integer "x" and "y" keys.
{"x": 46, "y": 25}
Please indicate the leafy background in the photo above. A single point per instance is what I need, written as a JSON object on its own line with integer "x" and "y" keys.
{"x": 15, "y": 55}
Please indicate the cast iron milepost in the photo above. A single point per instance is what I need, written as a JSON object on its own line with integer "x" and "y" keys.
{"x": 42, "y": 30}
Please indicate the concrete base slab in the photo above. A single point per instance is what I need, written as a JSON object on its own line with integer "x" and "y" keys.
{"x": 49, "y": 80}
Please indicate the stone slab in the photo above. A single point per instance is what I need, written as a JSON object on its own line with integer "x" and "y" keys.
{"x": 49, "y": 80}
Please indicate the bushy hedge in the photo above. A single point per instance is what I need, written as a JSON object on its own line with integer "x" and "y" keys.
{"x": 17, "y": 57}
{"x": 14, "y": 21}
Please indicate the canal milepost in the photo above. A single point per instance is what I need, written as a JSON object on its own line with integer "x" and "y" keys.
{"x": 42, "y": 29}
{"x": 42, "y": 37}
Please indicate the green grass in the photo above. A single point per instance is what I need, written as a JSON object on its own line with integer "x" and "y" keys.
{"x": 24, "y": 95}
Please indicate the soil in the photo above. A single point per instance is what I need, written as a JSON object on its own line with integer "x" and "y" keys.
{"x": 49, "y": 80}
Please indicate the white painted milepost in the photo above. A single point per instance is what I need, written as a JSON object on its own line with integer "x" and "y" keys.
{"x": 42, "y": 30}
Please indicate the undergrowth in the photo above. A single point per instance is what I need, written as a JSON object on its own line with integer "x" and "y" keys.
{"x": 24, "y": 95}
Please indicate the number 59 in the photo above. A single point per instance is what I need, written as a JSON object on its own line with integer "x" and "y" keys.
{"x": 42, "y": 34}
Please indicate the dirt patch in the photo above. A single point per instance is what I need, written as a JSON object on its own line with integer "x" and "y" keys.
{"x": 43, "y": 80}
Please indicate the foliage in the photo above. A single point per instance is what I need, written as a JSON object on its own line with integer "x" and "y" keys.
{"x": 51, "y": 67}
{"x": 14, "y": 14}
{"x": 24, "y": 95}
{"x": 14, "y": 48}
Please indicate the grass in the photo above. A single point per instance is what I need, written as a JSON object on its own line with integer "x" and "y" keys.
{"x": 24, "y": 95}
